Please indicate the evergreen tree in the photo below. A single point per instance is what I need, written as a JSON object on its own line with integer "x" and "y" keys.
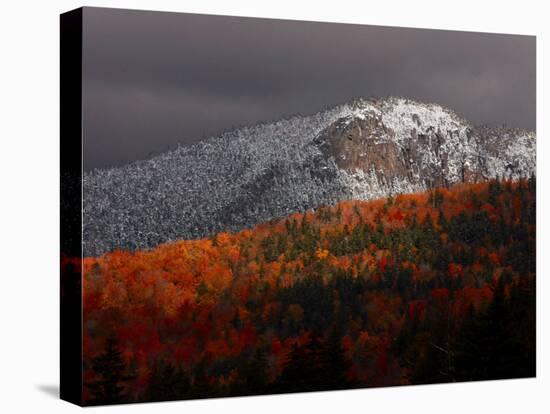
{"x": 111, "y": 376}
{"x": 333, "y": 366}
{"x": 300, "y": 371}
{"x": 167, "y": 383}
{"x": 485, "y": 345}
{"x": 495, "y": 189}
{"x": 201, "y": 386}
{"x": 442, "y": 221}
{"x": 237, "y": 322}
{"x": 252, "y": 374}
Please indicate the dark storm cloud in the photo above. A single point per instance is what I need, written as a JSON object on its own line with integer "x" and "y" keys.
{"x": 153, "y": 80}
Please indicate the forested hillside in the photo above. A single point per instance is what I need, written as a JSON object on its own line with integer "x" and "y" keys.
{"x": 418, "y": 288}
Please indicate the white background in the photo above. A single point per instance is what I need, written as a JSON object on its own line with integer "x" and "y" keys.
{"x": 29, "y": 194}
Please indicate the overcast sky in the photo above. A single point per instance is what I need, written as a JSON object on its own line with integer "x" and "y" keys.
{"x": 153, "y": 80}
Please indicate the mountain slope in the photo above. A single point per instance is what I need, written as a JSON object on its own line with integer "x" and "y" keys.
{"x": 359, "y": 150}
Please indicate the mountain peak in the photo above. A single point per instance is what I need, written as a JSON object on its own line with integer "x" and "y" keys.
{"x": 363, "y": 149}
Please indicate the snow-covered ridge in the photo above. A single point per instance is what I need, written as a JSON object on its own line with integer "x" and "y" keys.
{"x": 257, "y": 173}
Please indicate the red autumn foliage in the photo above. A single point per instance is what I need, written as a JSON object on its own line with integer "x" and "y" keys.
{"x": 376, "y": 270}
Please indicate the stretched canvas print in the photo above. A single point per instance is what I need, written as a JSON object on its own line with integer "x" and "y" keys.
{"x": 257, "y": 206}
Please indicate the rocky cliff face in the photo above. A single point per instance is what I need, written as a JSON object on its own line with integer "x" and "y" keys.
{"x": 423, "y": 154}
{"x": 362, "y": 149}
